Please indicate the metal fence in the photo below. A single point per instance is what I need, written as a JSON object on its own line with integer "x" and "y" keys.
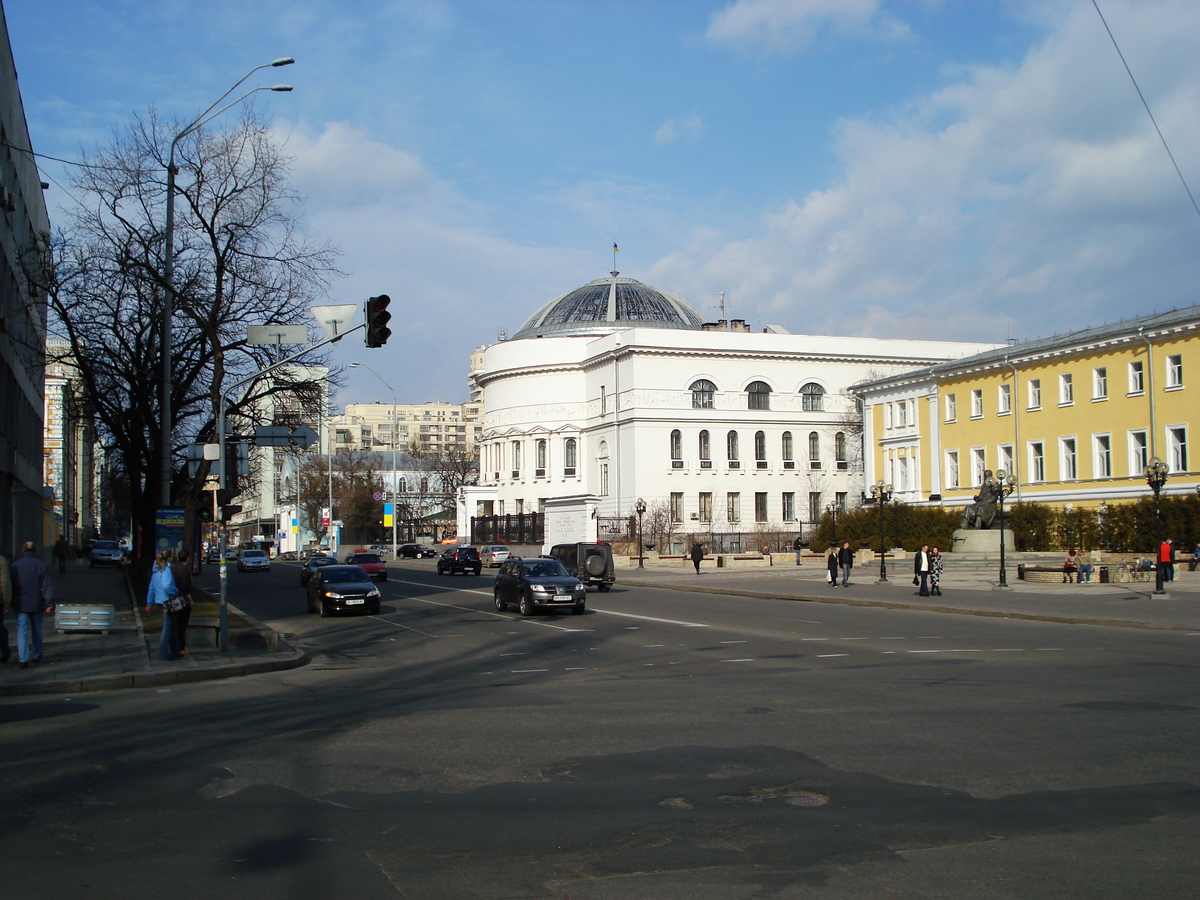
{"x": 528, "y": 528}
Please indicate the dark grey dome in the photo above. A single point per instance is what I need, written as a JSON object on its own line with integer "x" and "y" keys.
{"x": 610, "y": 304}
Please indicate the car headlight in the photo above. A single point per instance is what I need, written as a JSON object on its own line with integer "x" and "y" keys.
{"x": 541, "y": 589}
{"x": 373, "y": 594}
{"x": 333, "y": 595}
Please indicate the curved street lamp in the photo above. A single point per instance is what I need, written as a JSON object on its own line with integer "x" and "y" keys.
{"x": 1156, "y": 476}
{"x": 1002, "y": 485}
{"x": 208, "y": 115}
{"x": 881, "y": 492}
{"x": 833, "y": 509}
{"x": 641, "y": 511}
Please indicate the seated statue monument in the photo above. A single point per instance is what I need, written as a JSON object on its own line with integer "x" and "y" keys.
{"x": 982, "y": 512}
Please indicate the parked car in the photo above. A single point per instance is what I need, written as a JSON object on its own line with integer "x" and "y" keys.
{"x": 289, "y": 555}
{"x": 591, "y": 563}
{"x": 534, "y": 584}
{"x": 381, "y": 549}
{"x": 369, "y": 563}
{"x": 312, "y": 564}
{"x": 342, "y": 589}
{"x": 459, "y": 559}
{"x": 253, "y": 561}
{"x": 493, "y": 556}
{"x": 106, "y": 553}
{"x": 417, "y": 551}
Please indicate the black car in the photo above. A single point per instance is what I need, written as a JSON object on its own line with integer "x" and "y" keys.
{"x": 342, "y": 589}
{"x": 590, "y": 562}
{"x": 460, "y": 559}
{"x": 312, "y": 564}
{"x": 534, "y": 584}
{"x": 417, "y": 551}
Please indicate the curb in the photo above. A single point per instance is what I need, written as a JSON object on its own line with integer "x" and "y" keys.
{"x": 916, "y": 607}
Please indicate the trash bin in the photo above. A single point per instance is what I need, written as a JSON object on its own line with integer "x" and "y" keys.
{"x": 1103, "y": 574}
{"x": 1021, "y": 571}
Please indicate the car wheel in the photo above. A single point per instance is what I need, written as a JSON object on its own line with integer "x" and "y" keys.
{"x": 526, "y": 605}
{"x": 577, "y": 609}
{"x": 603, "y": 588}
{"x": 501, "y": 606}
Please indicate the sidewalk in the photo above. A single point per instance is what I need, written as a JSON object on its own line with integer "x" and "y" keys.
{"x": 127, "y": 657}
{"x": 967, "y": 589}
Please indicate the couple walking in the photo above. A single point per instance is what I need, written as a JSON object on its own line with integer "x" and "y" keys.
{"x": 840, "y": 560}
{"x": 927, "y": 571}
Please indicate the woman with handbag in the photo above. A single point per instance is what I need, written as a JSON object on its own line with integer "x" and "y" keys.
{"x": 163, "y": 593}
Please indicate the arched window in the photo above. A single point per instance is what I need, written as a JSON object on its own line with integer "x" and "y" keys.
{"x": 814, "y": 450}
{"x": 812, "y": 397}
{"x": 839, "y": 450}
{"x": 602, "y": 469}
{"x": 758, "y": 395}
{"x": 424, "y": 485}
{"x": 676, "y": 445}
{"x": 760, "y": 448}
{"x": 705, "y": 451}
{"x": 402, "y": 487}
{"x": 787, "y": 446}
{"x": 541, "y": 457}
{"x": 569, "y": 456}
{"x": 702, "y": 394}
{"x": 731, "y": 448}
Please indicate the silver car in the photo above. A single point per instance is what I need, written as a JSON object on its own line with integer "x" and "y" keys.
{"x": 106, "y": 553}
{"x": 493, "y": 556}
{"x": 253, "y": 560}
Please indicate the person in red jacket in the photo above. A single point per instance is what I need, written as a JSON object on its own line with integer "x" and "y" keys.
{"x": 1166, "y": 559}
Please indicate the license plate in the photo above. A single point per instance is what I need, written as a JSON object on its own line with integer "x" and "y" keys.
{"x": 359, "y": 602}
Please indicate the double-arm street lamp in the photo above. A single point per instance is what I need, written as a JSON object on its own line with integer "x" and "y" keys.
{"x": 833, "y": 509}
{"x": 641, "y": 511}
{"x": 1156, "y": 476}
{"x": 1002, "y": 485}
{"x": 395, "y": 442}
{"x": 881, "y": 492}
{"x": 169, "y": 259}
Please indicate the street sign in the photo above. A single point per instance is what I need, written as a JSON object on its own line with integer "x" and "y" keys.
{"x": 272, "y": 436}
{"x": 304, "y": 436}
{"x": 333, "y": 319}
{"x": 276, "y": 334}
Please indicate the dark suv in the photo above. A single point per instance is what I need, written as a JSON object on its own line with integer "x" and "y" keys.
{"x": 591, "y": 563}
{"x": 460, "y": 559}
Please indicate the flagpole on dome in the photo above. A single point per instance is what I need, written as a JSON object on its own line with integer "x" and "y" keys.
{"x": 614, "y": 271}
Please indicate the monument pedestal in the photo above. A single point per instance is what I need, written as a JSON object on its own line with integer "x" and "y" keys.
{"x": 983, "y": 542}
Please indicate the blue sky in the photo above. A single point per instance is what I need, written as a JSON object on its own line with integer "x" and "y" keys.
{"x": 962, "y": 169}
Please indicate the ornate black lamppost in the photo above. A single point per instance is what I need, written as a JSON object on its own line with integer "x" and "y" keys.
{"x": 1002, "y": 485}
{"x": 881, "y": 492}
{"x": 1156, "y": 476}
{"x": 833, "y": 509}
{"x": 641, "y": 511}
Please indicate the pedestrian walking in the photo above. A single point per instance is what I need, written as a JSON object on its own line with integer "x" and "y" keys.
{"x": 921, "y": 570}
{"x": 162, "y": 588}
{"x": 935, "y": 572}
{"x": 832, "y": 564}
{"x": 33, "y": 597}
{"x": 181, "y": 571}
{"x": 6, "y": 599}
{"x": 798, "y": 546}
{"x": 846, "y": 560}
{"x": 1166, "y": 559}
{"x": 697, "y": 554}
{"x": 61, "y": 551}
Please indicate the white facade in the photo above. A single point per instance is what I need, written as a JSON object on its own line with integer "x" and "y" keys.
{"x": 768, "y": 448}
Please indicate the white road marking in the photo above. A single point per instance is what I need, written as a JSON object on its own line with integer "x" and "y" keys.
{"x": 485, "y": 612}
{"x": 407, "y": 627}
{"x": 526, "y": 671}
{"x": 828, "y": 655}
{"x": 610, "y": 612}
{"x": 737, "y": 660}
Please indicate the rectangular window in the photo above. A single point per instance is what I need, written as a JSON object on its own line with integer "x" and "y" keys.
{"x": 603, "y": 479}
{"x": 814, "y": 506}
{"x": 887, "y": 415}
{"x": 1174, "y": 372}
{"x": 840, "y": 498}
{"x": 978, "y": 465}
{"x": 1177, "y": 449}
{"x": 1138, "y": 457}
{"x": 1137, "y": 373}
{"x": 951, "y": 468}
{"x": 951, "y": 408}
{"x": 1037, "y": 461}
{"x": 1067, "y": 461}
{"x": 1004, "y": 400}
{"x": 760, "y": 506}
{"x": 676, "y": 507}
{"x": 733, "y": 508}
{"x": 603, "y": 401}
{"x": 977, "y": 403}
{"x": 1100, "y": 383}
{"x": 789, "y": 506}
{"x": 1103, "y": 453}
{"x": 1035, "y": 393}
{"x": 1066, "y": 389}
{"x": 902, "y": 414}
{"x": 1004, "y": 457}
{"x": 706, "y": 506}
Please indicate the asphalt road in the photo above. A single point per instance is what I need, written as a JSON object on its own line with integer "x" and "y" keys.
{"x": 663, "y": 745}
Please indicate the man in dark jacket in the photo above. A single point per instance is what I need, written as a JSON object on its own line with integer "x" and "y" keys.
{"x": 33, "y": 597}
{"x": 697, "y": 554}
{"x": 846, "y": 561}
{"x": 922, "y": 566}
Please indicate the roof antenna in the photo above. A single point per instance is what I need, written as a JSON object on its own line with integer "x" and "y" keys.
{"x": 614, "y": 273}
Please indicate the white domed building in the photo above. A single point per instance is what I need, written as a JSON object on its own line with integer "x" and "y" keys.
{"x": 617, "y": 391}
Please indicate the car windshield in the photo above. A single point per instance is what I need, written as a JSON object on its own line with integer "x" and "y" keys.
{"x": 105, "y": 545}
{"x": 366, "y": 558}
{"x": 252, "y": 554}
{"x": 544, "y": 568}
{"x": 321, "y": 561}
{"x": 346, "y": 575}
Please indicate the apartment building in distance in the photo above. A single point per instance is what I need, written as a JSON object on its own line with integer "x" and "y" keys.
{"x": 430, "y": 428}
{"x": 1073, "y": 418}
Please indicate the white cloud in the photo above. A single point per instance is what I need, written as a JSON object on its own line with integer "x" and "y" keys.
{"x": 1037, "y": 195}
{"x": 783, "y": 25}
{"x": 680, "y": 127}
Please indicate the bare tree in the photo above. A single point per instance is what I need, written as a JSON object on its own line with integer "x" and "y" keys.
{"x": 239, "y": 259}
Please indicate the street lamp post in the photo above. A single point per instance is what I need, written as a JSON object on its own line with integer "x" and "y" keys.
{"x": 1002, "y": 485}
{"x": 881, "y": 491}
{"x": 395, "y": 441}
{"x": 641, "y": 511}
{"x": 1156, "y": 476}
{"x": 833, "y": 509}
{"x": 169, "y": 262}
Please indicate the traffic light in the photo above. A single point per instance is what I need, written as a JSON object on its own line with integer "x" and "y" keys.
{"x": 204, "y": 506}
{"x": 378, "y": 317}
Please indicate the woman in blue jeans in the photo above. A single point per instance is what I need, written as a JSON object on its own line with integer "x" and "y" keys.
{"x": 162, "y": 588}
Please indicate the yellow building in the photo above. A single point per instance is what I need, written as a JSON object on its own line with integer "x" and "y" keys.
{"x": 1073, "y": 418}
